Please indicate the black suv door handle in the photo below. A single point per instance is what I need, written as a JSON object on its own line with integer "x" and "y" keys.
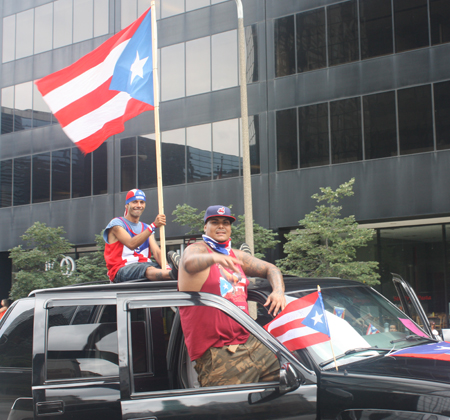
{"x": 50, "y": 407}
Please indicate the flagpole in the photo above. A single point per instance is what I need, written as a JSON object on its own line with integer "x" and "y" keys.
{"x": 331, "y": 344}
{"x": 162, "y": 231}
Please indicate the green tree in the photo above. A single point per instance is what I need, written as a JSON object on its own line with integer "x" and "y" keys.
{"x": 264, "y": 239}
{"x": 38, "y": 266}
{"x": 325, "y": 244}
{"x": 92, "y": 267}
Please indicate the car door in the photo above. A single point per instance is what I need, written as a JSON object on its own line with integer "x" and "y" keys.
{"x": 168, "y": 393}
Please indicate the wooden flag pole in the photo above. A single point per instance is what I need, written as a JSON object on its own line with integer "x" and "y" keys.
{"x": 162, "y": 231}
{"x": 331, "y": 344}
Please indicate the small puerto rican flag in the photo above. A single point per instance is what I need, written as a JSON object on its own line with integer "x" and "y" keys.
{"x": 436, "y": 351}
{"x": 371, "y": 329}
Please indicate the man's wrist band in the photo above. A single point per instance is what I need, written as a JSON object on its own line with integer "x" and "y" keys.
{"x": 152, "y": 228}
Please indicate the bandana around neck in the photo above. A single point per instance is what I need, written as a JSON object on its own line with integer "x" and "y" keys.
{"x": 222, "y": 247}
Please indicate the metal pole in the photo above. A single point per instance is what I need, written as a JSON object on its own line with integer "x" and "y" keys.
{"x": 248, "y": 207}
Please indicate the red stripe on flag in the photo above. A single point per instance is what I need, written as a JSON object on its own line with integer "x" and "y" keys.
{"x": 305, "y": 341}
{"x": 282, "y": 329}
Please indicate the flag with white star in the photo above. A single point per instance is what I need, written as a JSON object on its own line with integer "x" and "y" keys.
{"x": 436, "y": 351}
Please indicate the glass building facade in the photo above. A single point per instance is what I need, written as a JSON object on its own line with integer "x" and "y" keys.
{"x": 336, "y": 89}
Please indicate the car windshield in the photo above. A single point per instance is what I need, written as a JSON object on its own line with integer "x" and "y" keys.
{"x": 362, "y": 324}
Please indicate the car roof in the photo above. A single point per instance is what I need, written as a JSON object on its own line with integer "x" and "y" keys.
{"x": 292, "y": 284}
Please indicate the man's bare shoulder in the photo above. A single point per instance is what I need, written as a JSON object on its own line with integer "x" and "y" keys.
{"x": 196, "y": 248}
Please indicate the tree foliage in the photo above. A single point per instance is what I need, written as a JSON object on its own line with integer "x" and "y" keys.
{"x": 264, "y": 239}
{"x": 325, "y": 244}
{"x": 92, "y": 267}
{"x": 38, "y": 264}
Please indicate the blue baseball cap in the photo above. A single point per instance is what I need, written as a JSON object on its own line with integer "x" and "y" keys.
{"x": 134, "y": 195}
{"x": 218, "y": 211}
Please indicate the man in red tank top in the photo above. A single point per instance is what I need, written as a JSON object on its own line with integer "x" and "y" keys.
{"x": 224, "y": 351}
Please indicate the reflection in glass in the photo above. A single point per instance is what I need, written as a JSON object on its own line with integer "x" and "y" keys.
{"x": 251, "y": 45}
{"x": 284, "y": 33}
{"x": 376, "y": 28}
{"x": 343, "y": 33}
{"x": 9, "y": 38}
{"x": 100, "y": 170}
{"x": 411, "y": 24}
{"x": 61, "y": 174}
{"x": 24, "y": 33}
{"x": 224, "y": 60}
{"x": 101, "y": 17}
{"x": 22, "y": 181}
{"x": 415, "y": 120}
{"x": 440, "y": 21}
{"x": 196, "y": 4}
{"x": 346, "y": 136}
{"x": 81, "y": 173}
{"x": 253, "y": 135}
{"x": 442, "y": 114}
{"x": 8, "y": 109}
{"x": 380, "y": 127}
{"x": 313, "y": 135}
{"x": 23, "y": 106}
{"x": 41, "y": 178}
{"x": 171, "y": 7}
{"x": 146, "y": 162}
{"x": 225, "y": 149}
{"x": 199, "y": 144}
{"x": 62, "y": 23}
{"x": 287, "y": 149}
{"x": 311, "y": 40}
{"x": 83, "y": 20}
{"x": 173, "y": 151}
{"x": 41, "y": 112}
{"x": 5, "y": 183}
{"x": 43, "y": 28}
{"x": 128, "y": 163}
{"x": 172, "y": 72}
{"x": 128, "y": 13}
{"x": 198, "y": 66}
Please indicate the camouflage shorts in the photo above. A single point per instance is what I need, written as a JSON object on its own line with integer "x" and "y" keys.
{"x": 251, "y": 362}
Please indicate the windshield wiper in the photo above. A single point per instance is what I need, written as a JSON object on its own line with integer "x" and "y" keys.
{"x": 413, "y": 338}
{"x": 352, "y": 351}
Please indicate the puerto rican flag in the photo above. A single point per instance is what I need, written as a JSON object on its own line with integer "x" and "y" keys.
{"x": 436, "y": 351}
{"x": 301, "y": 324}
{"x": 93, "y": 97}
{"x": 371, "y": 329}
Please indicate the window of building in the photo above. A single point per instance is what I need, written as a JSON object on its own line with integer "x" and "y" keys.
{"x": 6, "y": 183}
{"x": 130, "y": 10}
{"x": 171, "y": 8}
{"x": 225, "y": 139}
{"x": 199, "y": 146}
{"x": 41, "y": 112}
{"x": 43, "y": 28}
{"x": 376, "y": 28}
{"x": 146, "y": 162}
{"x": 415, "y": 120}
{"x": 81, "y": 173}
{"x": 380, "y": 126}
{"x": 346, "y": 136}
{"x": 440, "y": 21}
{"x": 311, "y": 40}
{"x": 22, "y": 181}
{"x": 198, "y": 66}
{"x": 83, "y": 20}
{"x": 253, "y": 134}
{"x": 313, "y": 135}
{"x": 172, "y": 72}
{"x": 9, "y": 38}
{"x": 224, "y": 60}
{"x": 62, "y": 23}
{"x": 101, "y": 17}
{"x": 251, "y": 45}
{"x": 285, "y": 46}
{"x": 287, "y": 149}
{"x": 8, "y": 110}
{"x": 61, "y": 174}
{"x": 128, "y": 163}
{"x": 173, "y": 159}
{"x": 23, "y": 106}
{"x": 24, "y": 33}
{"x": 343, "y": 40}
{"x": 411, "y": 24}
{"x": 196, "y": 4}
{"x": 41, "y": 178}
{"x": 442, "y": 114}
{"x": 100, "y": 170}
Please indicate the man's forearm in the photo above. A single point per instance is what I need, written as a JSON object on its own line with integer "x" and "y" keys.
{"x": 198, "y": 263}
{"x": 275, "y": 279}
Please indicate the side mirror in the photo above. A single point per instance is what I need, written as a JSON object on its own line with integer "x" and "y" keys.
{"x": 288, "y": 378}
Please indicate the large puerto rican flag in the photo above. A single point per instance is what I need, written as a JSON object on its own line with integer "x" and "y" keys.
{"x": 302, "y": 323}
{"x": 93, "y": 97}
{"x": 436, "y": 351}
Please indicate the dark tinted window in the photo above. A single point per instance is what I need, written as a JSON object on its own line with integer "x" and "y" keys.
{"x": 81, "y": 173}
{"x": 146, "y": 163}
{"x": 7, "y": 109}
{"x": 252, "y": 53}
{"x": 343, "y": 33}
{"x": 442, "y": 114}
{"x": 253, "y": 134}
{"x": 100, "y": 173}
{"x": 380, "y": 127}
{"x": 61, "y": 174}
{"x": 226, "y": 151}
{"x": 415, "y": 120}
{"x": 376, "y": 28}
{"x": 440, "y": 21}
{"x": 313, "y": 135}
{"x": 41, "y": 178}
{"x": 284, "y": 46}
{"x": 287, "y": 150}
{"x": 128, "y": 163}
{"x": 411, "y": 24}
{"x": 5, "y": 183}
{"x": 22, "y": 181}
{"x": 346, "y": 138}
{"x": 173, "y": 151}
{"x": 311, "y": 40}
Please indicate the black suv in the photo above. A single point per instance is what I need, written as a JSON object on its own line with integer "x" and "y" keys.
{"x": 117, "y": 352}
